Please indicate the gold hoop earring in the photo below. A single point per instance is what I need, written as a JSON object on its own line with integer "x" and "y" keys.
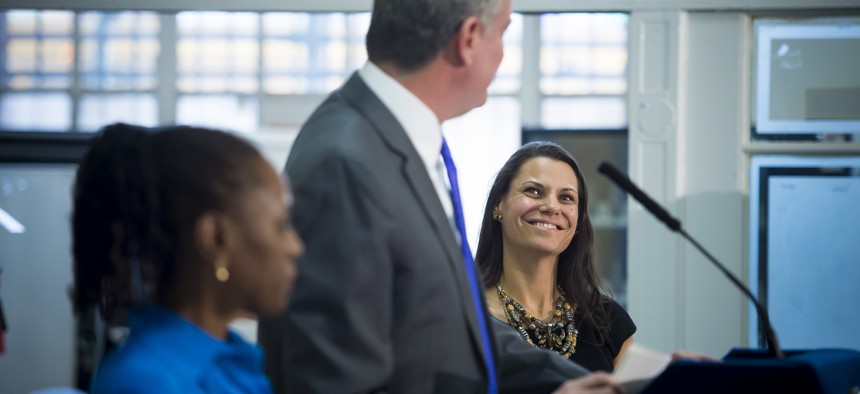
{"x": 221, "y": 271}
{"x": 497, "y": 216}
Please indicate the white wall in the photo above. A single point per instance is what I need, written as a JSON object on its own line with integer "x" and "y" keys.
{"x": 689, "y": 112}
{"x": 714, "y": 178}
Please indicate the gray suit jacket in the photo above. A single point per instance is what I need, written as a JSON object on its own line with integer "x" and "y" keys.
{"x": 382, "y": 299}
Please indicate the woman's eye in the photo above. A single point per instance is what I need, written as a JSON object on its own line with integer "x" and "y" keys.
{"x": 531, "y": 190}
{"x": 566, "y": 197}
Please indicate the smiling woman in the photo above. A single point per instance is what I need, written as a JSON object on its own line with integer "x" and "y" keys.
{"x": 535, "y": 254}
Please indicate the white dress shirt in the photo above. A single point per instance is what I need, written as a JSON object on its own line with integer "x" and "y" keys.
{"x": 421, "y": 125}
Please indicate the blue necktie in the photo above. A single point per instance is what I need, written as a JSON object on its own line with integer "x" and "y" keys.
{"x": 470, "y": 267}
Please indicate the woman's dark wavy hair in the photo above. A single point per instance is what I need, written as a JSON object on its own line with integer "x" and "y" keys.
{"x": 137, "y": 194}
{"x": 576, "y": 273}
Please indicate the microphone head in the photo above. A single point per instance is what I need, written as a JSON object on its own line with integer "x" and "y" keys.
{"x": 606, "y": 168}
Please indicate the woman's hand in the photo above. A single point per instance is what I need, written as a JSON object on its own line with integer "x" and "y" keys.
{"x": 691, "y": 356}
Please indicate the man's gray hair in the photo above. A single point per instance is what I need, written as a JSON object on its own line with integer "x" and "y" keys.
{"x": 409, "y": 33}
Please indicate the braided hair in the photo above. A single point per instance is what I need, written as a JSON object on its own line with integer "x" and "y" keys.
{"x": 137, "y": 195}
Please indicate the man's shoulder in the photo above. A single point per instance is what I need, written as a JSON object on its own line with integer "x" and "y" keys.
{"x": 337, "y": 130}
{"x": 346, "y": 108}
{"x": 343, "y": 137}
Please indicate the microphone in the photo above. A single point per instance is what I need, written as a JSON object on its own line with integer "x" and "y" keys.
{"x": 675, "y": 225}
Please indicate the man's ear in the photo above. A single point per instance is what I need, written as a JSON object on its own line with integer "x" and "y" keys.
{"x": 211, "y": 235}
{"x": 467, "y": 39}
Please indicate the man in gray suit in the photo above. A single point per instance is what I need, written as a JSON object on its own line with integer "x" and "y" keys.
{"x": 383, "y": 303}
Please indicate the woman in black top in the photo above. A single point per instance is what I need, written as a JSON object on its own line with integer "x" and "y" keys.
{"x": 535, "y": 254}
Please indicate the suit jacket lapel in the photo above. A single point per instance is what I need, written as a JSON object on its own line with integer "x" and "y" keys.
{"x": 356, "y": 92}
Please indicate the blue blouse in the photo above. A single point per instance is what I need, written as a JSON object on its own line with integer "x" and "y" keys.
{"x": 165, "y": 353}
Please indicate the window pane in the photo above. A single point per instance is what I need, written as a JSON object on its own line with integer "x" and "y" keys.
{"x": 217, "y": 52}
{"x": 98, "y": 110}
{"x": 21, "y": 22}
{"x": 584, "y": 113}
{"x": 481, "y": 141}
{"x": 60, "y": 23}
{"x": 311, "y": 53}
{"x": 584, "y": 28}
{"x": 21, "y": 55}
{"x": 583, "y": 56}
{"x": 578, "y": 48}
{"x": 584, "y": 85}
{"x": 126, "y": 24}
{"x": 39, "y": 49}
{"x": 224, "y": 112}
{"x": 119, "y": 50}
{"x": 507, "y": 79}
{"x": 35, "y": 111}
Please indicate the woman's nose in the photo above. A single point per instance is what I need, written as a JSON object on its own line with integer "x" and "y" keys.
{"x": 550, "y": 205}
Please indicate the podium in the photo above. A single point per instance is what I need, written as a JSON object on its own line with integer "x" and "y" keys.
{"x": 823, "y": 371}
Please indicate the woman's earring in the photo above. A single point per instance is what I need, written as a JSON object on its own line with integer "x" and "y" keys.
{"x": 497, "y": 216}
{"x": 221, "y": 271}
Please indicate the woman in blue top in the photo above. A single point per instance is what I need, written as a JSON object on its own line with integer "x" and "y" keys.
{"x": 177, "y": 232}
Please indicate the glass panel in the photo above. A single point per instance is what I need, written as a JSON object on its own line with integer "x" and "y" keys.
{"x": 481, "y": 141}
{"x": 224, "y": 112}
{"x": 311, "y": 53}
{"x": 283, "y": 56}
{"x": 584, "y": 85}
{"x": 35, "y": 111}
{"x": 216, "y": 23}
{"x": 125, "y": 24}
{"x": 357, "y": 25}
{"x": 583, "y": 54}
{"x": 119, "y": 50}
{"x": 59, "y": 23}
{"x": 584, "y": 112}
{"x": 39, "y": 49}
{"x": 21, "y": 22}
{"x": 217, "y": 52}
{"x": 21, "y": 54}
{"x": 584, "y": 28}
{"x": 507, "y": 80}
{"x": 98, "y": 110}
{"x": 57, "y": 55}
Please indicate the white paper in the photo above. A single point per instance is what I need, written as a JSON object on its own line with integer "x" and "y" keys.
{"x": 640, "y": 363}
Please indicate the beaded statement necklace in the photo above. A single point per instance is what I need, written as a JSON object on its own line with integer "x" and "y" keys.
{"x": 558, "y": 335}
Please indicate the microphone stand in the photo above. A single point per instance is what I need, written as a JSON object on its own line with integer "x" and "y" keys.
{"x": 675, "y": 225}
{"x": 770, "y": 335}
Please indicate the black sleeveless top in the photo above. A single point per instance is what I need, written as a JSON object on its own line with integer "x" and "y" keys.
{"x": 594, "y": 354}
